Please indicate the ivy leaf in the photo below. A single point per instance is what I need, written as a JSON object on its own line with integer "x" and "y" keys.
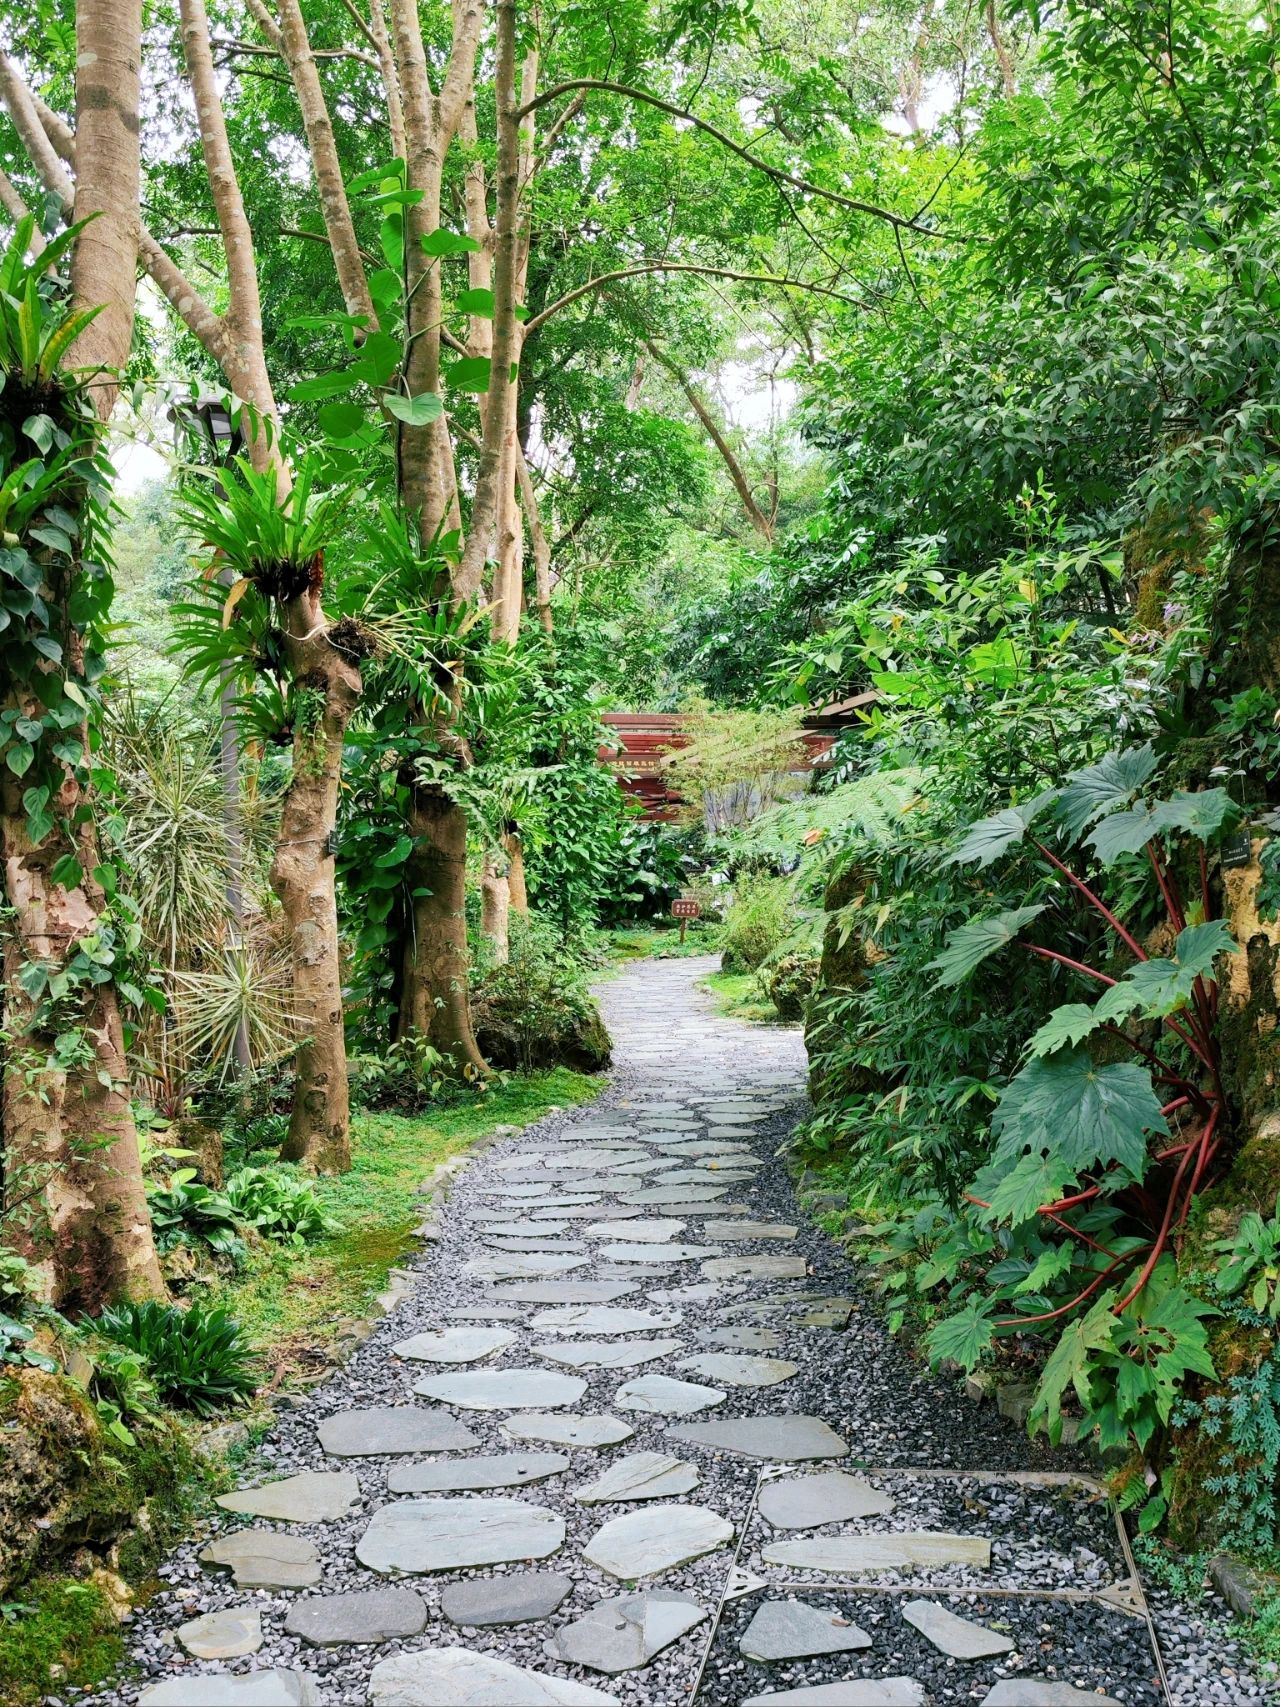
{"x": 1088, "y": 1117}
{"x": 971, "y": 944}
{"x": 477, "y": 301}
{"x": 1070, "y": 1023}
{"x": 964, "y": 1337}
{"x": 990, "y": 837}
{"x": 414, "y": 411}
{"x": 1113, "y": 781}
{"x": 19, "y": 758}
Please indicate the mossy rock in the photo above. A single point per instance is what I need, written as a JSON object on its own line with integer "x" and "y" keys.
{"x": 791, "y": 980}
{"x": 515, "y": 1039}
{"x": 60, "y": 1470}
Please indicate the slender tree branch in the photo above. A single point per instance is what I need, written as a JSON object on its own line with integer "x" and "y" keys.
{"x": 737, "y": 474}
{"x": 777, "y": 173}
{"x": 710, "y": 272}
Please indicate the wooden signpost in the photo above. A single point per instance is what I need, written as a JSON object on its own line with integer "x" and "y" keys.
{"x": 684, "y": 908}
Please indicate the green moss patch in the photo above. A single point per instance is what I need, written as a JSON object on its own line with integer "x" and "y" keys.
{"x": 59, "y": 1633}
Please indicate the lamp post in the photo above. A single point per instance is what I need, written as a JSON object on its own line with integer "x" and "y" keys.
{"x": 207, "y": 418}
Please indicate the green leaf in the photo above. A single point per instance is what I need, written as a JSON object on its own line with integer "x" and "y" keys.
{"x": 1198, "y": 946}
{"x": 1089, "y": 1117}
{"x": 1113, "y": 781}
{"x": 1070, "y": 1023}
{"x": 971, "y": 944}
{"x": 1069, "y": 1363}
{"x": 1125, "y": 832}
{"x": 340, "y": 420}
{"x": 414, "y": 411}
{"x": 472, "y": 373}
{"x": 964, "y": 1337}
{"x": 1050, "y": 1265}
{"x": 333, "y": 384}
{"x": 68, "y": 872}
{"x": 444, "y": 242}
{"x": 39, "y": 429}
{"x": 1033, "y": 1180}
{"x": 1201, "y": 814}
{"x": 19, "y": 758}
{"x": 478, "y": 301}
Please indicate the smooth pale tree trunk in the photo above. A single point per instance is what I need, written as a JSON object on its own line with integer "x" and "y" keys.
{"x": 515, "y": 871}
{"x": 302, "y": 876}
{"x": 495, "y": 908}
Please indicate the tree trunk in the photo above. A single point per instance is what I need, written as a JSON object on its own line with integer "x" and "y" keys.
{"x": 495, "y": 908}
{"x": 512, "y": 842}
{"x": 434, "y": 984}
{"x": 302, "y": 875}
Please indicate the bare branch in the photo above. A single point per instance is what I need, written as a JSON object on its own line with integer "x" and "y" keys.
{"x": 762, "y": 523}
{"x": 777, "y": 173}
{"x": 683, "y": 267}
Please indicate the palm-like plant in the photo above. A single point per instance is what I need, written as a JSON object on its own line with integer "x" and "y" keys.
{"x": 243, "y": 990}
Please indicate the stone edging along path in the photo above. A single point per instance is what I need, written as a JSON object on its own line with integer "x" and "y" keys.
{"x": 633, "y": 1437}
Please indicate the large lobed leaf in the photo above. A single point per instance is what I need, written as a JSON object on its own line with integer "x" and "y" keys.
{"x": 987, "y": 839}
{"x": 1088, "y": 1117}
{"x": 971, "y": 944}
{"x": 1100, "y": 788}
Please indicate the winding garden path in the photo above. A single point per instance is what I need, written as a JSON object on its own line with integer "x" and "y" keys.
{"x": 630, "y": 1433}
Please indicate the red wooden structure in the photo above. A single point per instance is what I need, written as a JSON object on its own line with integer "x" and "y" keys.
{"x": 640, "y": 740}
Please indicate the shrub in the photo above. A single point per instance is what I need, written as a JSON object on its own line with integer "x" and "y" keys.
{"x": 760, "y": 918}
{"x": 409, "y": 1077}
{"x": 536, "y": 1011}
{"x": 197, "y": 1358}
{"x": 791, "y": 980}
{"x": 184, "y": 1211}
{"x": 279, "y": 1204}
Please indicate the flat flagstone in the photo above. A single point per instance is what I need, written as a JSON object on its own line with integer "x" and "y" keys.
{"x": 520, "y": 1229}
{"x": 454, "y": 1677}
{"x": 849, "y": 1692}
{"x": 788, "y": 1438}
{"x": 263, "y": 1558}
{"x": 485, "y": 1313}
{"x": 855, "y": 1555}
{"x": 741, "y": 1339}
{"x": 568, "y": 1291}
{"x": 459, "y": 1475}
{"x": 833, "y": 1496}
{"x": 624, "y": 1634}
{"x": 587, "y": 1213}
{"x": 656, "y": 1253}
{"x": 642, "y": 1232}
{"x": 515, "y": 1599}
{"x": 312, "y": 1496}
{"x": 393, "y": 1429}
{"x": 588, "y": 1433}
{"x": 733, "y": 1370}
{"x": 647, "y": 1543}
{"x": 791, "y": 1630}
{"x": 678, "y": 1194}
{"x": 698, "y": 1292}
{"x": 531, "y": 1265}
{"x": 602, "y": 1319}
{"x": 556, "y": 1204}
{"x": 606, "y": 1354}
{"x": 457, "y": 1534}
{"x": 640, "y": 1476}
{"x": 455, "y": 1345}
{"x": 959, "y": 1638}
{"x": 705, "y": 1174}
{"x": 1042, "y": 1692}
{"x": 371, "y": 1615}
{"x": 755, "y": 1268}
{"x": 645, "y": 1165}
{"x": 730, "y": 1230}
{"x": 278, "y": 1687}
{"x": 503, "y": 1389}
{"x": 664, "y": 1396}
{"x": 223, "y": 1635}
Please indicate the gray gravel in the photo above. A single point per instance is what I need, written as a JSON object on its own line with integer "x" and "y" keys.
{"x": 682, "y": 1068}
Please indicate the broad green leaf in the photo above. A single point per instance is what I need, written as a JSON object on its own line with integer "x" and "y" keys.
{"x": 340, "y": 420}
{"x": 472, "y": 373}
{"x": 1069, "y": 1024}
{"x": 1113, "y": 781}
{"x": 964, "y": 1337}
{"x": 1201, "y": 814}
{"x": 478, "y": 301}
{"x": 1069, "y": 1364}
{"x": 39, "y": 429}
{"x": 971, "y": 944}
{"x": 1089, "y": 1117}
{"x": 990, "y": 837}
{"x": 19, "y": 758}
{"x": 1049, "y": 1266}
{"x": 1198, "y": 946}
{"x": 1033, "y": 1180}
{"x": 1123, "y": 833}
{"x": 444, "y": 242}
{"x": 323, "y": 385}
{"x": 414, "y": 411}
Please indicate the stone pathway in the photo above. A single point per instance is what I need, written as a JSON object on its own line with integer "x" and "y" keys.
{"x": 631, "y": 1434}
